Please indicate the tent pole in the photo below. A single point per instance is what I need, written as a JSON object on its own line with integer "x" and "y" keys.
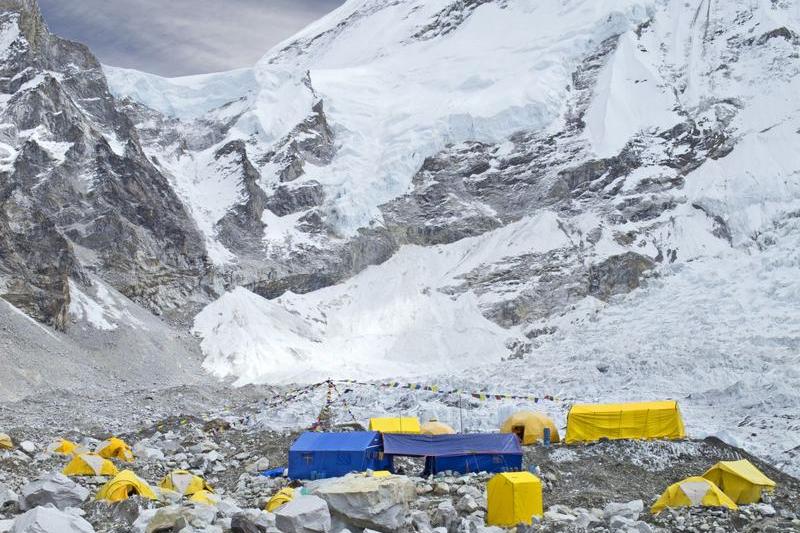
{"x": 460, "y": 413}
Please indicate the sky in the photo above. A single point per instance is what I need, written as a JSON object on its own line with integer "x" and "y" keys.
{"x": 180, "y": 37}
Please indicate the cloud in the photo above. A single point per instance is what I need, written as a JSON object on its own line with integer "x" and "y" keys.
{"x": 179, "y": 37}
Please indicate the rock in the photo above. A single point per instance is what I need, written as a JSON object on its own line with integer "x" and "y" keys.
{"x": 765, "y": 509}
{"x": 441, "y": 489}
{"x": 424, "y": 489}
{"x": 50, "y": 520}
{"x": 56, "y": 489}
{"x": 369, "y": 502}
{"x": 641, "y": 527}
{"x": 555, "y": 516}
{"x": 467, "y": 504}
{"x": 6, "y": 525}
{"x": 176, "y": 517}
{"x": 630, "y": 509}
{"x": 240, "y": 523}
{"x": 258, "y": 466}
{"x": 27, "y": 446}
{"x": 445, "y": 515}
{"x": 304, "y": 514}
{"x": 619, "y": 523}
{"x": 7, "y": 497}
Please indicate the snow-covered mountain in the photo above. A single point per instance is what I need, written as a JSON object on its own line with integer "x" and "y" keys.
{"x": 599, "y": 198}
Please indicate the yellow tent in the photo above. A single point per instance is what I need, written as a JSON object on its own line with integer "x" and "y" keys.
{"x": 63, "y": 447}
{"x": 740, "y": 480}
{"x": 90, "y": 464}
{"x": 434, "y": 427}
{"x": 184, "y": 483}
{"x": 530, "y": 426}
{"x": 5, "y": 442}
{"x": 513, "y": 498}
{"x": 395, "y": 425}
{"x": 124, "y": 485}
{"x": 115, "y": 448}
{"x": 281, "y": 497}
{"x": 205, "y": 497}
{"x": 640, "y": 420}
{"x": 693, "y": 492}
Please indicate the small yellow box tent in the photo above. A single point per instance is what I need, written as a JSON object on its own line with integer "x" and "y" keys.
{"x": 115, "y": 448}
{"x": 184, "y": 483}
{"x": 529, "y": 427}
{"x": 5, "y": 442}
{"x": 434, "y": 427}
{"x": 90, "y": 464}
{"x": 740, "y": 480}
{"x": 513, "y": 498}
{"x": 123, "y": 486}
{"x": 280, "y": 498}
{"x": 693, "y": 492}
{"x": 205, "y": 497}
{"x": 639, "y": 420}
{"x": 63, "y": 447}
{"x": 395, "y": 425}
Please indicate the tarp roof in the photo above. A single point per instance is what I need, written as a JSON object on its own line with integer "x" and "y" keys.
{"x": 354, "y": 441}
{"x": 451, "y": 445}
{"x": 623, "y": 407}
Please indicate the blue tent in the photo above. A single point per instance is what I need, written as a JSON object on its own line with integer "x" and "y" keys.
{"x": 476, "y": 452}
{"x": 316, "y": 455}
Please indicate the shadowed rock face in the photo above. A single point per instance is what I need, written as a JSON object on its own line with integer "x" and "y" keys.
{"x": 80, "y": 180}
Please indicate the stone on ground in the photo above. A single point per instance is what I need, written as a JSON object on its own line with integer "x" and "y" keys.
{"x": 56, "y": 489}
{"x": 50, "y": 520}
{"x": 304, "y": 514}
{"x": 369, "y": 502}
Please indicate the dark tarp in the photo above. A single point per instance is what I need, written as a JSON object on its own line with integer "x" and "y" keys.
{"x": 316, "y": 455}
{"x": 477, "y": 452}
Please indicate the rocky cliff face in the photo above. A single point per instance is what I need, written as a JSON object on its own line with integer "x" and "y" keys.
{"x": 78, "y": 194}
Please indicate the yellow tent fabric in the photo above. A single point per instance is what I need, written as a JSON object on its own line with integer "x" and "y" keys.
{"x": 205, "y": 497}
{"x": 381, "y": 473}
{"x": 530, "y": 426}
{"x": 434, "y": 427}
{"x": 513, "y": 498}
{"x": 124, "y": 485}
{"x": 90, "y": 464}
{"x": 740, "y": 480}
{"x": 693, "y": 492}
{"x": 638, "y": 420}
{"x": 403, "y": 424}
{"x": 184, "y": 482}
{"x": 115, "y": 448}
{"x": 5, "y": 442}
{"x": 63, "y": 447}
{"x": 281, "y": 497}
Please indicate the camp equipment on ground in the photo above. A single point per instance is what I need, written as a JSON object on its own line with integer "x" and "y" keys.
{"x": 206, "y": 497}
{"x": 123, "y": 486}
{"x": 280, "y": 498}
{"x": 274, "y": 472}
{"x": 63, "y": 447}
{"x": 473, "y": 452}
{"x": 319, "y": 455}
{"x": 740, "y": 480}
{"x": 184, "y": 482}
{"x": 90, "y": 464}
{"x": 401, "y": 424}
{"x": 434, "y": 427}
{"x": 529, "y": 427}
{"x": 5, "y": 442}
{"x": 115, "y": 448}
{"x": 639, "y": 420}
{"x": 693, "y": 491}
{"x": 513, "y": 498}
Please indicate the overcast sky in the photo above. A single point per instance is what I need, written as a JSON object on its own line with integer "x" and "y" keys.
{"x": 178, "y": 37}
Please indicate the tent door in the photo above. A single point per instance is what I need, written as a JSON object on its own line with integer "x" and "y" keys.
{"x": 519, "y": 431}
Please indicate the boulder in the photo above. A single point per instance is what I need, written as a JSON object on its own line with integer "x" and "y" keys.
{"x": 304, "y": 514}
{"x": 7, "y": 496}
{"x": 630, "y": 509}
{"x": 27, "y": 446}
{"x": 445, "y": 515}
{"x": 56, "y": 489}
{"x": 369, "y": 502}
{"x": 50, "y": 520}
{"x": 241, "y": 523}
{"x": 176, "y": 517}
{"x": 467, "y": 504}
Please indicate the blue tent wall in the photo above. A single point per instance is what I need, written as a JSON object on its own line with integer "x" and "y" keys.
{"x": 316, "y": 455}
{"x": 490, "y": 452}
